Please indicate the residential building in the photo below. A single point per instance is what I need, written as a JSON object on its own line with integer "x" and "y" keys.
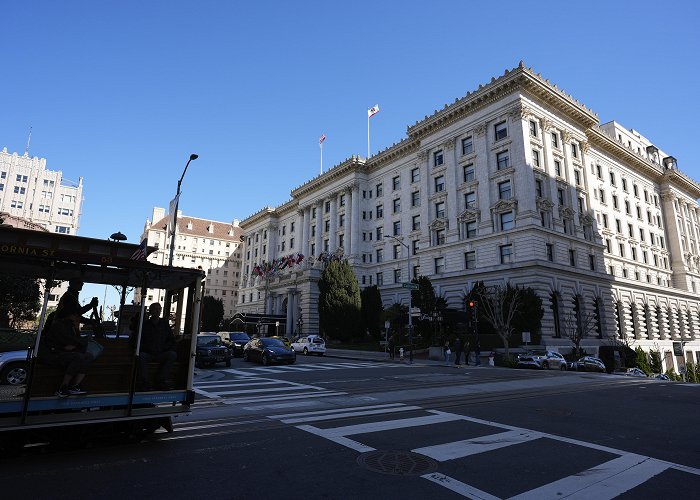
{"x": 516, "y": 182}
{"x": 199, "y": 243}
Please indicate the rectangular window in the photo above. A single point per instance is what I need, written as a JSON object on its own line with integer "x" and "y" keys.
{"x": 397, "y": 275}
{"x": 618, "y": 225}
{"x": 438, "y": 159}
{"x": 506, "y": 221}
{"x": 440, "y": 209}
{"x": 574, "y": 150}
{"x": 471, "y": 229}
{"x": 397, "y": 228}
{"x": 416, "y": 222}
{"x": 591, "y": 262}
{"x": 615, "y": 204}
{"x": 414, "y": 245}
{"x": 397, "y": 252}
{"x": 439, "y": 265}
{"x": 380, "y": 233}
{"x": 440, "y": 237}
{"x": 415, "y": 199}
{"x": 327, "y": 207}
{"x": 380, "y": 279}
{"x": 470, "y": 260}
{"x": 502, "y": 160}
{"x": 415, "y": 175}
{"x": 341, "y": 220}
{"x": 557, "y": 168}
{"x": 506, "y": 253}
{"x": 504, "y": 190}
{"x": 624, "y": 184}
{"x": 397, "y": 205}
{"x": 439, "y": 183}
{"x": 533, "y": 128}
{"x": 612, "y": 178}
{"x": 538, "y": 188}
{"x": 599, "y": 171}
{"x": 555, "y": 139}
{"x": 327, "y": 225}
{"x": 550, "y": 252}
{"x": 560, "y": 196}
{"x": 313, "y": 230}
{"x": 500, "y": 131}
{"x": 380, "y": 189}
{"x": 467, "y": 145}
{"x": 536, "y": 158}
{"x": 577, "y": 176}
{"x": 396, "y": 183}
{"x": 380, "y": 255}
{"x": 470, "y": 199}
{"x": 469, "y": 173}
{"x": 380, "y": 211}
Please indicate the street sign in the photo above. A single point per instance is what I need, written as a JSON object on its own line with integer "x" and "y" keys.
{"x": 526, "y": 337}
{"x": 678, "y": 348}
{"x": 415, "y": 312}
{"x": 410, "y": 286}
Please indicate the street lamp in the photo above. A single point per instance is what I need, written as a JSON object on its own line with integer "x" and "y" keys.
{"x": 410, "y": 304}
{"x": 177, "y": 202}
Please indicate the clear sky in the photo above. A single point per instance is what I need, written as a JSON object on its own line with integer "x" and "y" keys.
{"x": 121, "y": 93}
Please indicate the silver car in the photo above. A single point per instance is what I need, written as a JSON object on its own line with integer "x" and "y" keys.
{"x": 13, "y": 367}
{"x": 544, "y": 360}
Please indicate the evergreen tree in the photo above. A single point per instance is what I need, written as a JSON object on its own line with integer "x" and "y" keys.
{"x": 19, "y": 300}
{"x": 424, "y": 298}
{"x": 212, "y": 313}
{"x": 339, "y": 302}
{"x": 372, "y": 310}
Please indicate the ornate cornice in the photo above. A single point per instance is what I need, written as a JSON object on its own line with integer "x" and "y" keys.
{"x": 469, "y": 215}
{"x": 544, "y": 204}
{"x": 566, "y": 212}
{"x": 505, "y": 205}
{"x": 440, "y": 223}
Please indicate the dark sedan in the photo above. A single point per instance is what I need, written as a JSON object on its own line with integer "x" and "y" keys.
{"x": 268, "y": 350}
{"x": 589, "y": 364}
{"x": 237, "y": 341}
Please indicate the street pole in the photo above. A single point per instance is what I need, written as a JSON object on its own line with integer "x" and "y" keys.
{"x": 410, "y": 296}
{"x": 168, "y": 295}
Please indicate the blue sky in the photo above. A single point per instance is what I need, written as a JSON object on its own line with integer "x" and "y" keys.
{"x": 121, "y": 93}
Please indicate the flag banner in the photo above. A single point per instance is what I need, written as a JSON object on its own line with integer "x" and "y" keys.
{"x": 373, "y": 111}
{"x": 140, "y": 252}
{"x": 322, "y": 138}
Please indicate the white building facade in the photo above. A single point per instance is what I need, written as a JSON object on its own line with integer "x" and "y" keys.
{"x": 209, "y": 245}
{"x": 515, "y": 182}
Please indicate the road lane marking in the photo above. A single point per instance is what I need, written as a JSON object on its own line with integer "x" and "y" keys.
{"x": 258, "y": 390}
{"x": 386, "y": 425}
{"x": 474, "y": 446}
{"x": 278, "y": 397}
{"x": 341, "y": 440}
{"x": 337, "y": 410}
{"x": 354, "y": 413}
{"x": 458, "y": 487}
{"x": 604, "y": 481}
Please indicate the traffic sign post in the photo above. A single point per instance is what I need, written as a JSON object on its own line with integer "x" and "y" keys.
{"x": 410, "y": 286}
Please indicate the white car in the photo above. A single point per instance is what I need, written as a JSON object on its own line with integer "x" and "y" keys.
{"x": 543, "y": 360}
{"x": 310, "y": 344}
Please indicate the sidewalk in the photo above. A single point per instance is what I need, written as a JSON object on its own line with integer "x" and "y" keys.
{"x": 420, "y": 359}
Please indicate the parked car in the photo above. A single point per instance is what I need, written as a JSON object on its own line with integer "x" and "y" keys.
{"x": 310, "y": 344}
{"x": 236, "y": 341}
{"x": 13, "y": 367}
{"x": 267, "y": 350}
{"x": 660, "y": 376}
{"x": 635, "y": 372}
{"x": 211, "y": 350}
{"x": 544, "y": 360}
{"x": 589, "y": 364}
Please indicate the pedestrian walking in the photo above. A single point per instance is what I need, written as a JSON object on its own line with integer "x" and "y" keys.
{"x": 446, "y": 352}
{"x": 467, "y": 352}
{"x": 458, "y": 352}
{"x": 391, "y": 345}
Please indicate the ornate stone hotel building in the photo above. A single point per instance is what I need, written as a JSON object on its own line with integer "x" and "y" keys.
{"x": 515, "y": 182}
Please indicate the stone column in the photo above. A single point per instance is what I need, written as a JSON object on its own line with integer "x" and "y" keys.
{"x": 333, "y": 233}
{"x": 354, "y": 221}
{"x": 290, "y": 309}
{"x": 319, "y": 227}
{"x": 300, "y": 231}
{"x": 306, "y": 233}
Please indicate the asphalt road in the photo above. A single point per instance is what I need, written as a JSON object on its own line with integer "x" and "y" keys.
{"x": 339, "y": 428}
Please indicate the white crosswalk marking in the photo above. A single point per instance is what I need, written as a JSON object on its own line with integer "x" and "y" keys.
{"x": 604, "y": 481}
{"x": 255, "y": 370}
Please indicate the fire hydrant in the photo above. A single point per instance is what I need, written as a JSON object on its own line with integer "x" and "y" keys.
{"x": 401, "y": 353}
{"x": 491, "y": 355}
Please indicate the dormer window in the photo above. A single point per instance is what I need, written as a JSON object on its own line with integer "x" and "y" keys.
{"x": 189, "y": 224}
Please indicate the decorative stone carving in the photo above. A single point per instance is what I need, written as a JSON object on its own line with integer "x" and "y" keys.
{"x": 586, "y": 219}
{"x": 585, "y": 147}
{"x": 449, "y": 143}
{"x": 480, "y": 130}
{"x": 547, "y": 124}
{"x": 566, "y": 212}
{"x": 544, "y": 204}
{"x": 566, "y": 135}
{"x": 469, "y": 215}
{"x": 520, "y": 112}
{"x": 505, "y": 205}
{"x": 440, "y": 223}
{"x": 422, "y": 154}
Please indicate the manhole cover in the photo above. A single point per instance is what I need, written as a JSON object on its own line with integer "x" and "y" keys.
{"x": 397, "y": 463}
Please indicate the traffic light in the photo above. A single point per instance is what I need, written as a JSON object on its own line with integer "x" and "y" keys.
{"x": 472, "y": 310}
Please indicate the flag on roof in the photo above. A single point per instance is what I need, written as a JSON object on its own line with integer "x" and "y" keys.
{"x": 373, "y": 111}
{"x": 321, "y": 139}
{"x": 140, "y": 252}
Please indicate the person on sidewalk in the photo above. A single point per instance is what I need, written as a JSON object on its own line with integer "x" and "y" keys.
{"x": 458, "y": 351}
{"x": 477, "y": 354}
{"x": 467, "y": 352}
{"x": 446, "y": 352}
{"x": 391, "y": 345}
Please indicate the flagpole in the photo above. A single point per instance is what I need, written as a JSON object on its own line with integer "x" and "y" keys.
{"x": 368, "y": 117}
{"x": 321, "y": 145}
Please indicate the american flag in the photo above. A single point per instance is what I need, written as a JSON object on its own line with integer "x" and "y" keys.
{"x": 322, "y": 138}
{"x": 140, "y": 252}
{"x": 373, "y": 111}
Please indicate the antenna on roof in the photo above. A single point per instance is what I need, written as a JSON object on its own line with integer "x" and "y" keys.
{"x": 26, "y": 151}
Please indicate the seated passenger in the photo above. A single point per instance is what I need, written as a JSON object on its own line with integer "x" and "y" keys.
{"x": 62, "y": 347}
{"x": 157, "y": 345}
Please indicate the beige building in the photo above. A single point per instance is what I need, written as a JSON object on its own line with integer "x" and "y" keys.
{"x": 514, "y": 182}
{"x": 199, "y": 243}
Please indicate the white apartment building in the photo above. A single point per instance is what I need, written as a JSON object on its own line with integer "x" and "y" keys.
{"x": 43, "y": 197}
{"x": 29, "y": 191}
{"x": 199, "y": 243}
{"x": 515, "y": 182}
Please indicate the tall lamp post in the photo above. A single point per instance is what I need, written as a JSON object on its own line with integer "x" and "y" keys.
{"x": 168, "y": 295}
{"x": 410, "y": 297}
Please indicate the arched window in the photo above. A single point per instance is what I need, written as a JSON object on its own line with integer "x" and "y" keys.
{"x": 620, "y": 319}
{"x": 554, "y": 304}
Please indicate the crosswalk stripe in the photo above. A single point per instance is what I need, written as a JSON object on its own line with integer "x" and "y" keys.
{"x": 607, "y": 480}
{"x": 283, "y": 397}
{"x": 386, "y": 425}
{"x": 340, "y": 410}
{"x": 458, "y": 487}
{"x": 259, "y": 390}
{"x": 467, "y": 447}
{"x": 244, "y": 383}
{"x": 353, "y": 413}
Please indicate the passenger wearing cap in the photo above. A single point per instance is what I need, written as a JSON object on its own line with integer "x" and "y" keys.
{"x": 63, "y": 347}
